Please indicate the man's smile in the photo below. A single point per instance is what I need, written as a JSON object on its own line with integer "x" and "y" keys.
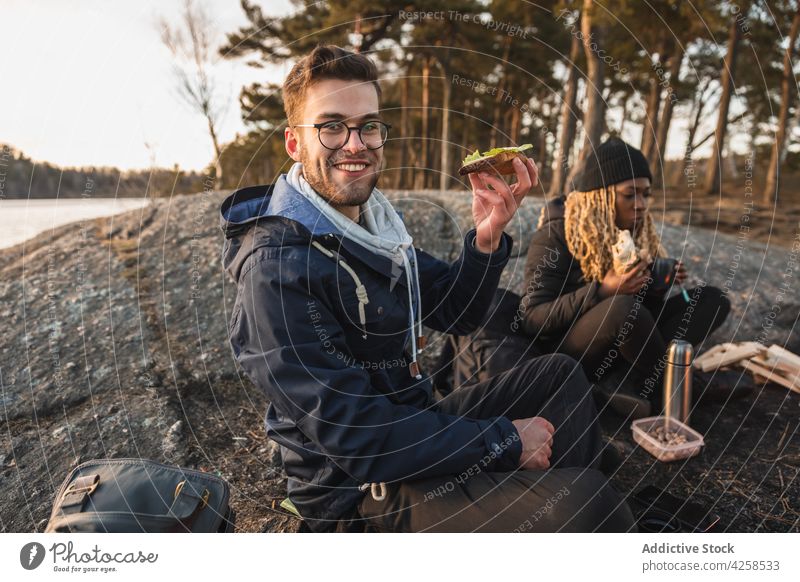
{"x": 352, "y": 168}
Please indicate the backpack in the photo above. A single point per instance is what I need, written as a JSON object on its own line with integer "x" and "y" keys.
{"x": 138, "y": 495}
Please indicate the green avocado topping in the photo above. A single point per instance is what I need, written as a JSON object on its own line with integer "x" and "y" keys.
{"x": 493, "y": 152}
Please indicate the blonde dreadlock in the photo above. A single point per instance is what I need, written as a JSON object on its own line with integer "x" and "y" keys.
{"x": 591, "y": 231}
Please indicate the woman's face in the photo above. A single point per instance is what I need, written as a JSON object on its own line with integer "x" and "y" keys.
{"x": 633, "y": 197}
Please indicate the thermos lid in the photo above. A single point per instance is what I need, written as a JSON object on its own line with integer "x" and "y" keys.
{"x": 680, "y": 352}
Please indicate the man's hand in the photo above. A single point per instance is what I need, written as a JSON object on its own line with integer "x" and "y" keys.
{"x": 494, "y": 202}
{"x": 628, "y": 284}
{"x": 536, "y": 435}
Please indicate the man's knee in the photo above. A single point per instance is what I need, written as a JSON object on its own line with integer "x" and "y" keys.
{"x": 557, "y": 371}
{"x": 563, "y": 364}
{"x": 571, "y": 374}
{"x": 561, "y": 384}
{"x": 545, "y": 366}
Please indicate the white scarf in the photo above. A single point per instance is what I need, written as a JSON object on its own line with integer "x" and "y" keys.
{"x": 385, "y": 235}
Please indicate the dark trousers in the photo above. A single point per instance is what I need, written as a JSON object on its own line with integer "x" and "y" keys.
{"x": 635, "y": 330}
{"x": 570, "y": 496}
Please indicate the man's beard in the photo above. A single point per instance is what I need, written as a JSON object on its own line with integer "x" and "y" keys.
{"x": 354, "y": 194}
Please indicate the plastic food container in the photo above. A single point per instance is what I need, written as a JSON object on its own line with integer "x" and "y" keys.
{"x": 643, "y": 435}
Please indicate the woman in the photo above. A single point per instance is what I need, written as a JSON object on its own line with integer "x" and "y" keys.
{"x": 577, "y": 303}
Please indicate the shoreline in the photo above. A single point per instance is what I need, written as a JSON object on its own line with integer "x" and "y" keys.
{"x": 699, "y": 213}
{"x": 18, "y": 223}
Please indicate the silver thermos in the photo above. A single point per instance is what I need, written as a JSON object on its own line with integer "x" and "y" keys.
{"x": 678, "y": 380}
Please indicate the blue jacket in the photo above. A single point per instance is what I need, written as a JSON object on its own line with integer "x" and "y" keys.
{"x": 346, "y": 410}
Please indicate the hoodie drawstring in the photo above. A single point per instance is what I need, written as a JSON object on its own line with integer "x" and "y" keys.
{"x": 361, "y": 291}
{"x": 414, "y": 316}
{"x": 421, "y": 340}
{"x": 378, "y": 490}
{"x": 414, "y": 308}
{"x": 374, "y": 489}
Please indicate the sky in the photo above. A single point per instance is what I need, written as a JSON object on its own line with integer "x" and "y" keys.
{"x": 89, "y": 82}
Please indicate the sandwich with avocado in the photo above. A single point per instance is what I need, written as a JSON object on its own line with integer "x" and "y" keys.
{"x": 500, "y": 160}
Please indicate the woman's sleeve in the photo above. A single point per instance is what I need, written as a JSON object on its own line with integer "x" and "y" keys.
{"x": 547, "y": 309}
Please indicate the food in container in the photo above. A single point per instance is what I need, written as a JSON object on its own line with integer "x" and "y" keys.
{"x": 667, "y": 438}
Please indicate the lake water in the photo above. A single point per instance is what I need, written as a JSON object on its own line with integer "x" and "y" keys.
{"x": 22, "y": 219}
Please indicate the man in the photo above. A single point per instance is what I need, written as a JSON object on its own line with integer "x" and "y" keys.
{"x": 328, "y": 322}
{"x": 613, "y": 323}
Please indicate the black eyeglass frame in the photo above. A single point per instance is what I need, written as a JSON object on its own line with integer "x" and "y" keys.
{"x": 319, "y": 126}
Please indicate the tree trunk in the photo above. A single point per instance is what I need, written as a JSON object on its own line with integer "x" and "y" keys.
{"x": 498, "y": 98}
{"x": 650, "y": 127}
{"x": 435, "y": 153}
{"x": 549, "y": 151}
{"x": 659, "y": 152}
{"x": 516, "y": 125}
{"x": 508, "y": 118}
{"x": 217, "y": 151}
{"x": 465, "y": 133}
{"x": 566, "y": 133}
{"x": 787, "y": 84}
{"x": 542, "y": 159}
{"x": 405, "y": 138}
{"x": 594, "y": 115}
{"x": 422, "y": 169}
{"x": 624, "y": 114}
{"x": 444, "y": 168}
{"x": 713, "y": 175}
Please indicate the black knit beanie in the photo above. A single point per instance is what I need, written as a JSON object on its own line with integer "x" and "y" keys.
{"x": 613, "y": 162}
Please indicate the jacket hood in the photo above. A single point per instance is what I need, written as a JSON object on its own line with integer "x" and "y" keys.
{"x": 553, "y": 210}
{"x": 268, "y": 215}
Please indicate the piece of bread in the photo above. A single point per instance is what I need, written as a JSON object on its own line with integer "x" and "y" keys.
{"x": 500, "y": 160}
{"x": 624, "y": 253}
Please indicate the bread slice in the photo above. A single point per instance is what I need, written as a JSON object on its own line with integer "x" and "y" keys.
{"x": 500, "y": 160}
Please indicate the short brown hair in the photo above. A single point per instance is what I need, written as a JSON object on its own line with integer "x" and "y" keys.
{"x": 324, "y": 62}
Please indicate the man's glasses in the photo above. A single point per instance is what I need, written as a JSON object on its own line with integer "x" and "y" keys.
{"x": 333, "y": 135}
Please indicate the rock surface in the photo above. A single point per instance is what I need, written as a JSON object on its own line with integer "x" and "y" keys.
{"x": 116, "y": 346}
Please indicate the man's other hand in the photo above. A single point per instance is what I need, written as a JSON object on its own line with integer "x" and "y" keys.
{"x": 536, "y": 435}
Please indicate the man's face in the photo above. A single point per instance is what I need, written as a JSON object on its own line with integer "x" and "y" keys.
{"x": 633, "y": 196}
{"x": 344, "y": 177}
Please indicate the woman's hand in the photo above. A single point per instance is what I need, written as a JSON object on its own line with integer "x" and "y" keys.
{"x": 680, "y": 273}
{"x": 628, "y": 284}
